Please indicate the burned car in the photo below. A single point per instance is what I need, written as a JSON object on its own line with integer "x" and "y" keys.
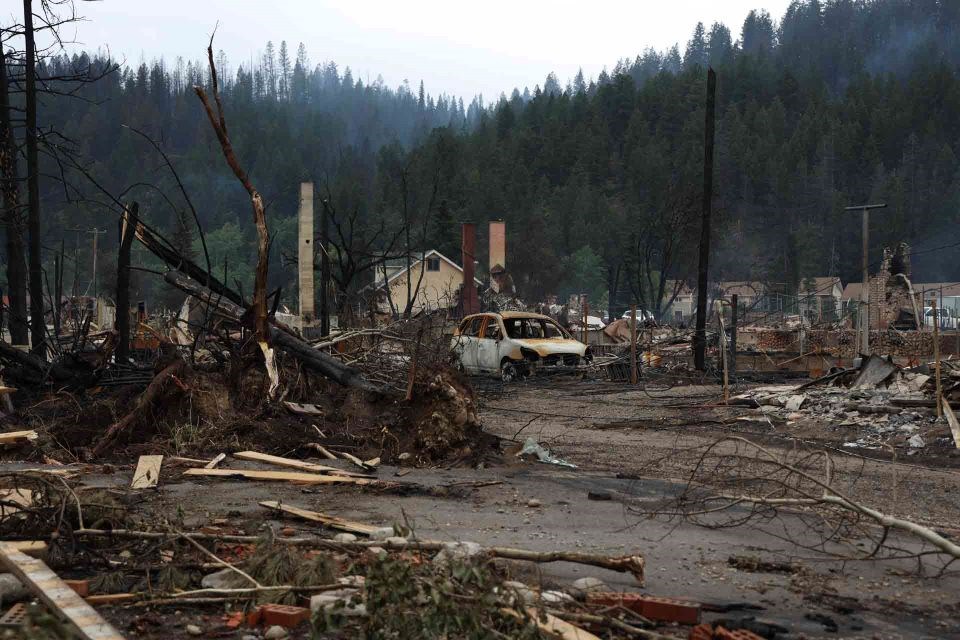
{"x": 514, "y": 344}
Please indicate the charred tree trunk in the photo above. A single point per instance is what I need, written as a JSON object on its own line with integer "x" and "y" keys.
{"x": 219, "y": 123}
{"x": 316, "y": 360}
{"x": 181, "y": 263}
{"x": 700, "y": 335}
{"x": 13, "y": 220}
{"x": 128, "y": 224}
{"x": 149, "y": 397}
{"x": 37, "y": 324}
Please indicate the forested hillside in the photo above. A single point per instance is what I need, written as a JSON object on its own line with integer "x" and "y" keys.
{"x": 599, "y": 180}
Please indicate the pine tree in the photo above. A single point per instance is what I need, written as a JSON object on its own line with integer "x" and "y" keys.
{"x": 696, "y": 53}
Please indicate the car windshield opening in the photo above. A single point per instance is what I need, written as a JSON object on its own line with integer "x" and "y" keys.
{"x": 532, "y": 329}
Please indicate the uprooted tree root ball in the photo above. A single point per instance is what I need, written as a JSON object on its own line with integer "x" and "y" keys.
{"x": 197, "y": 412}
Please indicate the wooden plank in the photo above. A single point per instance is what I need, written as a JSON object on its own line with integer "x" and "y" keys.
{"x": 148, "y": 472}
{"x": 294, "y": 464}
{"x": 279, "y": 476}
{"x": 322, "y": 450}
{"x": 355, "y": 460}
{"x": 33, "y": 548}
{"x": 213, "y": 463}
{"x": 60, "y": 598}
{"x": 6, "y": 390}
{"x": 330, "y": 521}
{"x": 552, "y": 626}
{"x": 112, "y": 598}
{"x": 18, "y": 437}
{"x": 952, "y": 421}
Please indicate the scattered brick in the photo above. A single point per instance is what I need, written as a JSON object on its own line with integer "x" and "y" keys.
{"x": 701, "y": 632}
{"x": 721, "y": 633}
{"x": 283, "y": 615}
{"x": 233, "y": 620}
{"x": 670, "y": 610}
{"x": 82, "y": 587}
{"x": 652, "y": 607}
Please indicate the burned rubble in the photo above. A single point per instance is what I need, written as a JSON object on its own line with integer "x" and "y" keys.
{"x": 360, "y": 430}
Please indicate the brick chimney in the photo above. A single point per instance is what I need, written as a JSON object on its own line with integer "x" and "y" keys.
{"x": 498, "y": 254}
{"x": 469, "y": 302}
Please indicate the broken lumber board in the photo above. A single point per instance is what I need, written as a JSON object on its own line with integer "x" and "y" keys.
{"x": 280, "y": 476}
{"x": 303, "y": 409}
{"x": 34, "y": 548}
{"x": 112, "y": 598}
{"x": 952, "y": 421}
{"x": 330, "y": 521}
{"x": 322, "y": 450}
{"x": 147, "y": 473}
{"x": 54, "y": 593}
{"x": 213, "y": 463}
{"x": 6, "y": 390}
{"x": 355, "y": 460}
{"x": 18, "y": 437}
{"x": 552, "y": 626}
{"x": 294, "y": 464}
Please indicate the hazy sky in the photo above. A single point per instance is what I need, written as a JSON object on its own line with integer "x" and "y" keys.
{"x": 462, "y": 48}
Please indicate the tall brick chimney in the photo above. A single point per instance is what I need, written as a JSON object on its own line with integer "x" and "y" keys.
{"x": 498, "y": 255}
{"x": 469, "y": 302}
{"x": 498, "y": 244}
{"x": 305, "y": 252}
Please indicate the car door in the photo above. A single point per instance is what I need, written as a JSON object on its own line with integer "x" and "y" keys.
{"x": 466, "y": 343}
{"x": 488, "y": 345}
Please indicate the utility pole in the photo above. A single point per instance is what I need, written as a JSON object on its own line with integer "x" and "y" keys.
{"x": 93, "y": 275}
{"x": 700, "y": 336}
{"x": 96, "y": 232}
{"x": 734, "y": 305}
{"x": 864, "y": 324}
{"x": 633, "y": 343}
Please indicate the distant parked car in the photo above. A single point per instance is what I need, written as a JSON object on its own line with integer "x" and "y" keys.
{"x": 642, "y": 315}
{"x": 947, "y": 318}
{"x": 513, "y": 344}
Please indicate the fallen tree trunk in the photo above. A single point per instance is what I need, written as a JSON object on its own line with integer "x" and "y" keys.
{"x": 146, "y": 400}
{"x": 301, "y": 350}
{"x": 175, "y": 261}
{"x": 623, "y": 564}
{"x": 38, "y": 365}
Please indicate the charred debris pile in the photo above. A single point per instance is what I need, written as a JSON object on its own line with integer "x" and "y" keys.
{"x": 213, "y": 387}
{"x": 876, "y": 405}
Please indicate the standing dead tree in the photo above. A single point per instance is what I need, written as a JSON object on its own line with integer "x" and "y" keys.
{"x": 219, "y": 123}
{"x": 356, "y": 247}
{"x": 657, "y": 252}
{"x": 29, "y": 78}
{"x": 13, "y": 218}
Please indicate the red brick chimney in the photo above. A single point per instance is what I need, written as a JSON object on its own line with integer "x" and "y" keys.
{"x": 469, "y": 302}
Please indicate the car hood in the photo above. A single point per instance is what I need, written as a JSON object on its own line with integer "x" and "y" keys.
{"x": 549, "y": 346}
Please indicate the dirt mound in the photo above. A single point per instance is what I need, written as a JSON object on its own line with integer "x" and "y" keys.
{"x": 201, "y": 413}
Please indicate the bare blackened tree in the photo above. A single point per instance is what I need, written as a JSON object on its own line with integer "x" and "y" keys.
{"x": 219, "y": 123}
{"x": 13, "y": 219}
{"x": 356, "y": 248}
{"x": 656, "y": 259}
{"x": 37, "y": 324}
{"x": 46, "y": 21}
